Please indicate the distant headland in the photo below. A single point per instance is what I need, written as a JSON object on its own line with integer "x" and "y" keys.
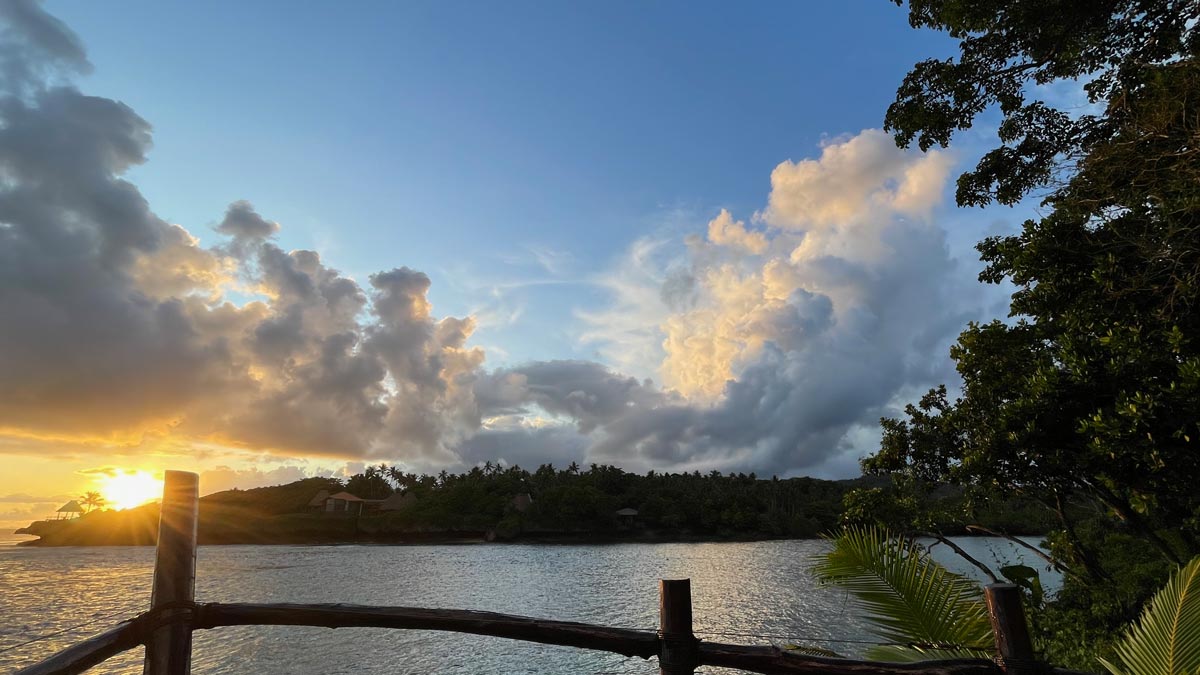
{"x": 492, "y": 503}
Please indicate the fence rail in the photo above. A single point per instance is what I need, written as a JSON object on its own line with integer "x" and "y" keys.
{"x": 166, "y": 630}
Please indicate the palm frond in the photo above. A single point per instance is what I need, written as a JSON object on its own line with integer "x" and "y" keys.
{"x": 915, "y": 653}
{"x": 1166, "y": 638}
{"x": 809, "y": 650}
{"x": 909, "y": 598}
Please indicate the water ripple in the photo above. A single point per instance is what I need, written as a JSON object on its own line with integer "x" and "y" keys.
{"x": 760, "y": 588}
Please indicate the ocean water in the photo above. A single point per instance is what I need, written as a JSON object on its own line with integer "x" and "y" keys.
{"x": 10, "y": 538}
{"x": 744, "y": 593}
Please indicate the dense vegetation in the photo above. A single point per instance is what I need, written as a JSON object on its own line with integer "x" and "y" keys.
{"x": 1087, "y": 399}
{"x": 569, "y": 503}
{"x": 923, "y": 611}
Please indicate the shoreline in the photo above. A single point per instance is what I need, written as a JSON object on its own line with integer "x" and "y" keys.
{"x": 456, "y": 539}
{"x": 469, "y": 539}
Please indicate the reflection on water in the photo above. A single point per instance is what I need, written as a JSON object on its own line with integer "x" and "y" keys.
{"x": 10, "y": 538}
{"x": 739, "y": 590}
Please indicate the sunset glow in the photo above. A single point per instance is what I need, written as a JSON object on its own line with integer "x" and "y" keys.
{"x": 126, "y": 490}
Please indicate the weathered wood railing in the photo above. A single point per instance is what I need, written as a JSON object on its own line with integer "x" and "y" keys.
{"x": 166, "y": 630}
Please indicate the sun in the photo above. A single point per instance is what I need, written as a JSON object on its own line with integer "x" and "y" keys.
{"x": 127, "y": 489}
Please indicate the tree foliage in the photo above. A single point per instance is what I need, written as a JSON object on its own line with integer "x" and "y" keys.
{"x": 1006, "y": 48}
{"x": 1094, "y": 388}
{"x": 91, "y": 501}
{"x": 585, "y": 500}
{"x": 1087, "y": 397}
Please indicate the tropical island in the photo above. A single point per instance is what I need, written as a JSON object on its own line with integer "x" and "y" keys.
{"x": 494, "y": 503}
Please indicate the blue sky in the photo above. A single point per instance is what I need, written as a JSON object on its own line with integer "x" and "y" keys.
{"x": 462, "y": 139}
{"x": 659, "y": 235}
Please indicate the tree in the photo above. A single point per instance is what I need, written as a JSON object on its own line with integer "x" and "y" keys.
{"x": 1086, "y": 398}
{"x": 1007, "y": 45}
{"x": 931, "y": 613}
{"x": 1094, "y": 388}
{"x": 370, "y": 484}
{"x": 91, "y": 501}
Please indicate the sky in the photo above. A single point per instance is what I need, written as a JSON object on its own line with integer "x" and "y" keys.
{"x": 269, "y": 240}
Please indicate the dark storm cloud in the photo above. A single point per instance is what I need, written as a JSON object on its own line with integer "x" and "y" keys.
{"x": 587, "y": 392}
{"x": 35, "y": 46}
{"x": 76, "y": 324}
{"x": 525, "y": 446}
{"x": 243, "y": 223}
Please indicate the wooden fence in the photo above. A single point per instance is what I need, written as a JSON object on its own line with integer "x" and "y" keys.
{"x": 166, "y": 629}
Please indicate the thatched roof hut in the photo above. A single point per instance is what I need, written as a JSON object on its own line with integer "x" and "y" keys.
{"x": 71, "y": 509}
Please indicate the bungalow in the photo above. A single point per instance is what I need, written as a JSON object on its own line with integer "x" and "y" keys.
{"x": 317, "y": 503}
{"x": 522, "y": 502}
{"x": 70, "y": 510}
{"x": 626, "y": 517}
{"x": 397, "y": 501}
{"x": 343, "y": 502}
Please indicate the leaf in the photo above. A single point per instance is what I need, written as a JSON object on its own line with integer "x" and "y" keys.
{"x": 914, "y": 654}
{"x": 1026, "y": 577}
{"x": 812, "y": 651}
{"x": 1018, "y": 574}
{"x": 909, "y": 598}
{"x": 1166, "y": 638}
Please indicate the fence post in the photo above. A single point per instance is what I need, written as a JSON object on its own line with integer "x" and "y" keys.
{"x": 169, "y": 648}
{"x": 677, "y": 647}
{"x": 1014, "y": 648}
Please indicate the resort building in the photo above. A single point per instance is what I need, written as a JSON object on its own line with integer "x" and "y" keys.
{"x": 344, "y": 502}
{"x": 70, "y": 510}
{"x": 626, "y": 517}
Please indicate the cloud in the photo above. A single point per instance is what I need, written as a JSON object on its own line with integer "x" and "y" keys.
{"x": 725, "y": 231}
{"x": 784, "y": 347}
{"x": 645, "y": 285}
{"x": 19, "y": 517}
{"x": 35, "y": 46}
{"x": 223, "y": 478}
{"x": 18, "y": 510}
{"x": 855, "y": 180}
{"x": 243, "y": 223}
{"x": 527, "y": 446}
{"x": 22, "y": 498}
{"x": 120, "y": 328}
{"x": 777, "y": 346}
{"x": 106, "y": 471}
{"x": 584, "y": 391}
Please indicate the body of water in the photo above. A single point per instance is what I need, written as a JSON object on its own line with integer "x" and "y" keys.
{"x": 739, "y": 591}
{"x": 10, "y": 538}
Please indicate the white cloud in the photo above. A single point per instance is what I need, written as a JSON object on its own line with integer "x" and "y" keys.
{"x": 855, "y": 180}
{"x": 643, "y": 286}
{"x": 787, "y": 345}
{"x": 725, "y": 231}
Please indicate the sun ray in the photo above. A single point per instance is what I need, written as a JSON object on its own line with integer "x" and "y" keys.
{"x": 127, "y": 489}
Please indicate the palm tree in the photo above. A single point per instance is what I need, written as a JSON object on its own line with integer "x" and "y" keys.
{"x": 1166, "y": 638}
{"x": 92, "y": 500}
{"x": 932, "y": 613}
{"x": 927, "y": 611}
